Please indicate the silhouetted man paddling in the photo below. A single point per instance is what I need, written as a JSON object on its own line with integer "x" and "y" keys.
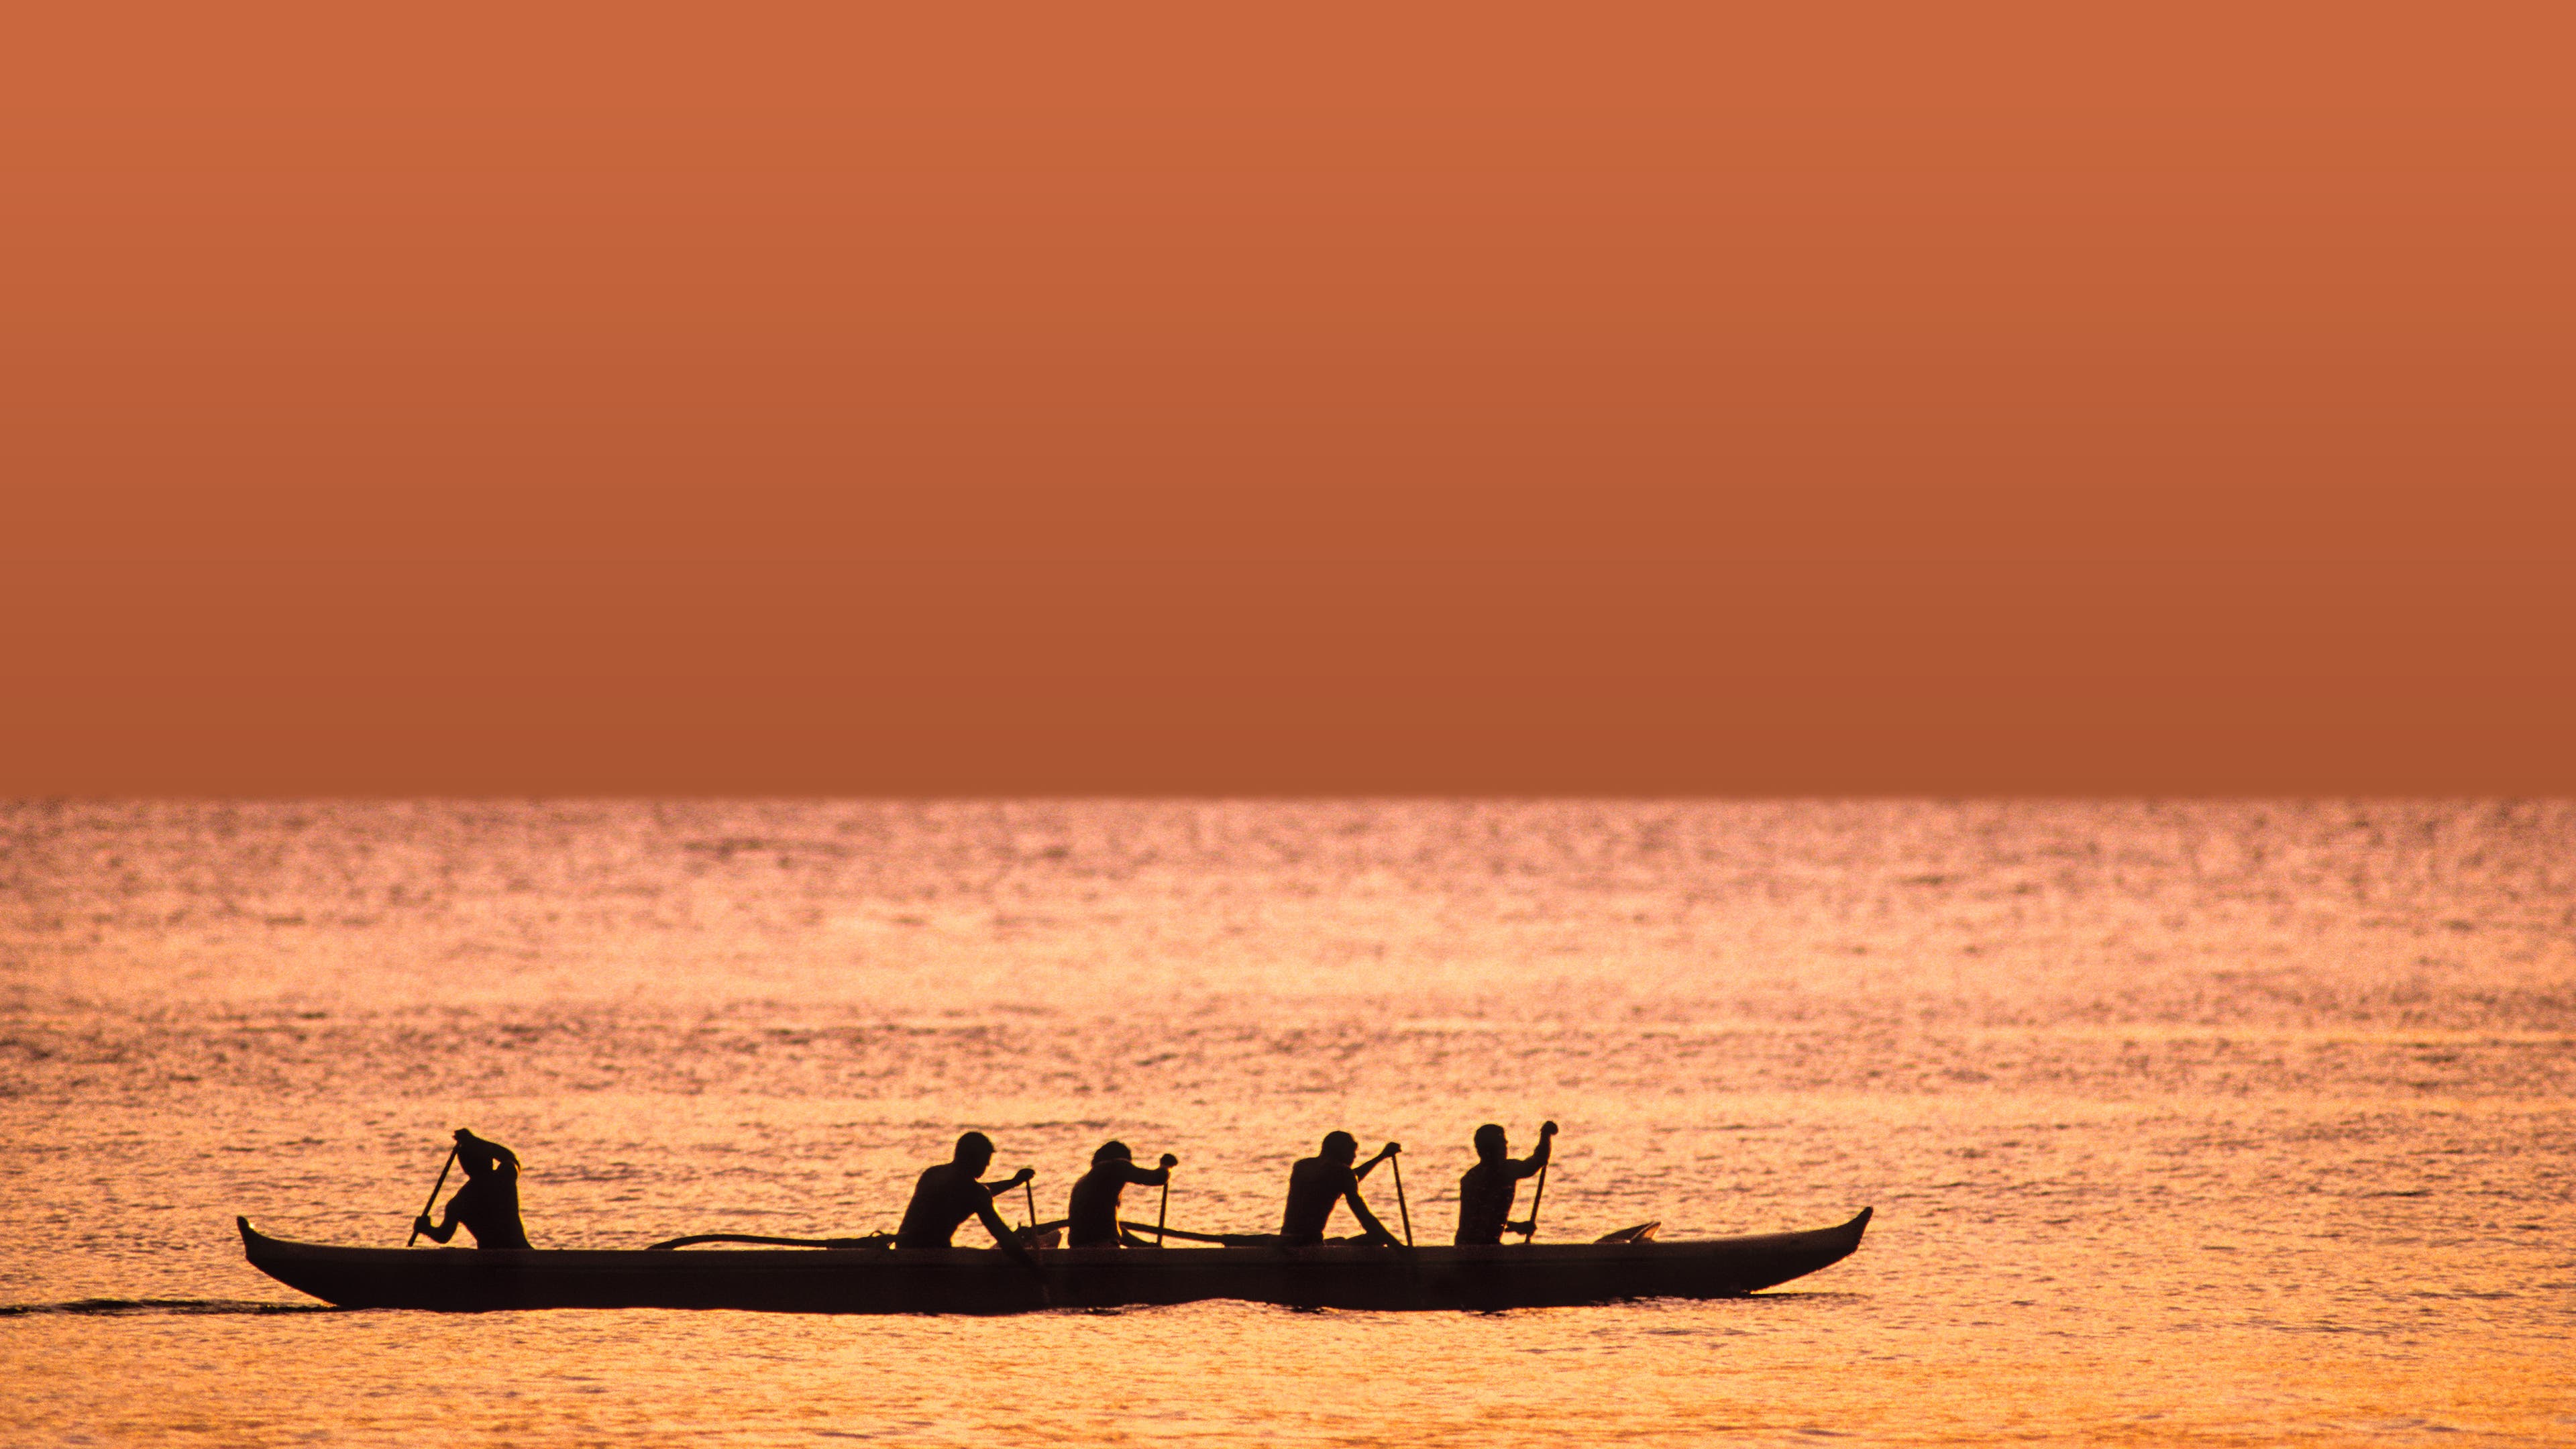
{"x": 488, "y": 1204}
{"x": 1091, "y": 1219}
{"x": 947, "y": 1195}
{"x": 1485, "y": 1193}
{"x": 1317, "y": 1183}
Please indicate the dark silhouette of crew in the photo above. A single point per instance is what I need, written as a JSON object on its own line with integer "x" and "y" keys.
{"x": 1319, "y": 1182}
{"x": 1091, "y": 1218}
{"x": 488, "y": 1204}
{"x": 948, "y": 1194}
{"x": 1485, "y": 1193}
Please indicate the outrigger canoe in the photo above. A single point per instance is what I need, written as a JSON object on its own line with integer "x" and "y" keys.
{"x": 983, "y": 1280}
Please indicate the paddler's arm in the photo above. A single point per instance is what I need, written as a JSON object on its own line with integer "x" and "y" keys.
{"x": 1003, "y": 1237}
{"x": 1383, "y": 1153}
{"x": 996, "y": 1189}
{"x": 1529, "y": 1166}
{"x": 443, "y": 1232}
{"x": 1368, "y": 1220}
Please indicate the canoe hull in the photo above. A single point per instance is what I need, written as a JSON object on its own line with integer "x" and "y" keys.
{"x": 976, "y": 1280}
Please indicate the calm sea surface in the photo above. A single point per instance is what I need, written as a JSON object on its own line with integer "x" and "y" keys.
{"x": 2231, "y": 1122}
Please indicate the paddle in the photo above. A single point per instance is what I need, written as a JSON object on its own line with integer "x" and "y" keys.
{"x": 1033, "y": 1202}
{"x": 433, "y": 1195}
{"x": 1395, "y": 1160}
{"x": 1164, "y": 1211}
{"x": 1547, "y": 1133}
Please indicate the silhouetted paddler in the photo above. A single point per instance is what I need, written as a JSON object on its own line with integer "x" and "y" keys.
{"x": 488, "y": 1204}
{"x": 1317, "y": 1183}
{"x": 1485, "y": 1193}
{"x": 1091, "y": 1219}
{"x": 947, "y": 1195}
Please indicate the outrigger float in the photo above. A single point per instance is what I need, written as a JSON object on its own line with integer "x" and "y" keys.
{"x": 848, "y": 1278}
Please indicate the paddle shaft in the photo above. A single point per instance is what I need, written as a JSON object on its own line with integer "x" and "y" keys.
{"x": 1033, "y": 1202}
{"x": 1397, "y": 1162}
{"x": 433, "y": 1197}
{"x": 1165, "y": 1210}
{"x": 1536, "y": 1193}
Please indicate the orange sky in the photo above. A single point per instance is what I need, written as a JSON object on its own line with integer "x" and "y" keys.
{"x": 1950, "y": 398}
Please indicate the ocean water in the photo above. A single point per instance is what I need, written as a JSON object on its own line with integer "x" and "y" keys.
{"x": 2202, "y": 1122}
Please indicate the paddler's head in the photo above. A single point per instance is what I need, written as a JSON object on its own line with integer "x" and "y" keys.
{"x": 1491, "y": 1144}
{"x": 480, "y": 1156}
{"x": 1340, "y": 1147}
{"x": 1112, "y": 1152}
{"x": 974, "y": 1152}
